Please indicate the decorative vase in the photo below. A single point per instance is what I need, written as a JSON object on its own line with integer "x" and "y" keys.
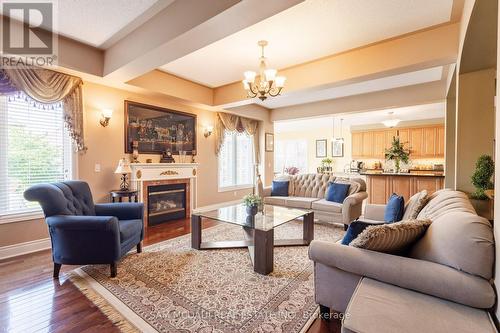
{"x": 252, "y": 210}
{"x": 396, "y": 165}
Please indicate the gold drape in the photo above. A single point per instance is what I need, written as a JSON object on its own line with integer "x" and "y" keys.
{"x": 46, "y": 86}
{"x": 233, "y": 123}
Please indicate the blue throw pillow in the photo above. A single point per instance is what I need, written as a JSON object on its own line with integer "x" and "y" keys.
{"x": 355, "y": 228}
{"x": 279, "y": 188}
{"x": 395, "y": 208}
{"x": 337, "y": 192}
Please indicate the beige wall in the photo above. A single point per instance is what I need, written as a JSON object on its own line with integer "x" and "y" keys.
{"x": 106, "y": 146}
{"x": 475, "y": 123}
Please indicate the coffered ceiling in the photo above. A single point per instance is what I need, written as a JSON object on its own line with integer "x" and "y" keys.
{"x": 308, "y": 31}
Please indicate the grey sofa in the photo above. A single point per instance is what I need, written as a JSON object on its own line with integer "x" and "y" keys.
{"x": 308, "y": 191}
{"x": 451, "y": 264}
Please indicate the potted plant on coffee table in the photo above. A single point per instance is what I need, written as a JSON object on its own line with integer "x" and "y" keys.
{"x": 397, "y": 153}
{"x": 481, "y": 179}
{"x": 252, "y": 203}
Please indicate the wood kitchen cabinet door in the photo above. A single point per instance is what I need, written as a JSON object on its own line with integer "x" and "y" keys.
{"x": 404, "y": 137}
{"x": 379, "y": 144}
{"x": 357, "y": 144}
{"x": 429, "y": 141}
{"x": 440, "y": 141}
{"x": 389, "y": 135}
{"x": 416, "y": 142}
{"x": 368, "y": 144}
{"x": 378, "y": 189}
{"x": 401, "y": 185}
{"x": 431, "y": 184}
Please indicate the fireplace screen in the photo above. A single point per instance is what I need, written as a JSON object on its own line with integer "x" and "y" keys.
{"x": 166, "y": 202}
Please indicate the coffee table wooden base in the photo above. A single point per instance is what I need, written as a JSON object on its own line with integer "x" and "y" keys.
{"x": 260, "y": 243}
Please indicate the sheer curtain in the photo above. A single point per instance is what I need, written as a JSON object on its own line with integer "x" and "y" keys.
{"x": 290, "y": 153}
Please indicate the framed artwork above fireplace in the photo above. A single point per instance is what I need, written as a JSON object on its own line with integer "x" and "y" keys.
{"x": 158, "y": 129}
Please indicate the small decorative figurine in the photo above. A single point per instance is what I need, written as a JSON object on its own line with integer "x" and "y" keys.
{"x": 167, "y": 157}
{"x": 135, "y": 152}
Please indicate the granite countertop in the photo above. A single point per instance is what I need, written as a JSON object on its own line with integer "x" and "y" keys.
{"x": 429, "y": 173}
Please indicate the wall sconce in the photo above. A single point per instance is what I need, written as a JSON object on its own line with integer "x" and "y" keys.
{"x": 208, "y": 131}
{"x": 105, "y": 117}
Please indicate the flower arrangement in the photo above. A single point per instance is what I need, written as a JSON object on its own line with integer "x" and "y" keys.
{"x": 397, "y": 152}
{"x": 251, "y": 200}
{"x": 292, "y": 170}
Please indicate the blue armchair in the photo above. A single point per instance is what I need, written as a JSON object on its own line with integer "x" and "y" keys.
{"x": 82, "y": 232}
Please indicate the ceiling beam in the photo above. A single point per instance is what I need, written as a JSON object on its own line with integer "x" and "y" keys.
{"x": 412, "y": 52}
{"x": 393, "y": 98}
{"x": 181, "y": 28}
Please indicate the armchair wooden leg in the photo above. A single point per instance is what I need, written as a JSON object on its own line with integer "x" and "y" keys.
{"x": 139, "y": 247}
{"x": 57, "y": 269}
{"x": 324, "y": 312}
{"x": 112, "y": 267}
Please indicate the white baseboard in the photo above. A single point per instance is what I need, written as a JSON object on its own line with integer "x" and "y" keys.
{"x": 15, "y": 250}
{"x": 216, "y": 206}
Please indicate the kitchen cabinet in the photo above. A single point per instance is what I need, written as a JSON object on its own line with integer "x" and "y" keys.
{"x": 440, "y": 138}
{"x": 357, "y": 144}
{"x": 423, "y": 142}
{"x": 429, "y": 143}
{"x": 368, "y": 147}
{"x": 379, "y": 144}
{"x": 416, "y": 142}
{"x": 381, "y": 186}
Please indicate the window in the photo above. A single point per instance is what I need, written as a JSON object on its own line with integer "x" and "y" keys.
{"x": 35, "y": 148}
{"x": 236, "y": 165}
{"x": 290, "y": 153}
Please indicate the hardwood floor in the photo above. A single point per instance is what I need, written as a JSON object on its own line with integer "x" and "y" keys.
{"x": 31, "y": 301}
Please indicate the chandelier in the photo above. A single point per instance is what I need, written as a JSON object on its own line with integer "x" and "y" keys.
{"x": 268, "y": 84}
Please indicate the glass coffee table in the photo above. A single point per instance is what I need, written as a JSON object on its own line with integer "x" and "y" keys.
{"x": 259, "y": 231}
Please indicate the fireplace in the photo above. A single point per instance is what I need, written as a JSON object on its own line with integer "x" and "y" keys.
{"x": 166, "y": 202}
{"x": 168, "y": 190}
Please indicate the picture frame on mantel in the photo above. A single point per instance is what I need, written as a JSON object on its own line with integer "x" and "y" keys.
{"x": 269, "y": 142}
{"x": 157, "y": 129}
{"x": 337, "y": 148}
{"x": 321, "y": 148}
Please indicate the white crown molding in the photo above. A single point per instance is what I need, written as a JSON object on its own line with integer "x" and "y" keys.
{"x": 15, "y": 250}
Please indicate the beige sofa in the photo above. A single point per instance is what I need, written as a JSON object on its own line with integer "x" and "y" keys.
{"x": 308, "y": 191}
{"x": 446, "y": 273}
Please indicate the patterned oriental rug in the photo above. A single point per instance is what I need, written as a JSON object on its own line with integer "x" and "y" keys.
{"x": 173, "y": 288}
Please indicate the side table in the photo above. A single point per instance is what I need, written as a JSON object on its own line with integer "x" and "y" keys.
{"x": 123, "y": 194}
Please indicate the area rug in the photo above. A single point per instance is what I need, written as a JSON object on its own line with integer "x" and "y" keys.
{"x": 173, "y": 288}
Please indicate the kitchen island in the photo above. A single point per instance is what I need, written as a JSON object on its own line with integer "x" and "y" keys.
{"x": 380, "y": 185}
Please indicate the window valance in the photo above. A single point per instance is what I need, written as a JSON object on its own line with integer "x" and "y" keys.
{"x": 234, "y": 123}
{"x": 48, "y": 87}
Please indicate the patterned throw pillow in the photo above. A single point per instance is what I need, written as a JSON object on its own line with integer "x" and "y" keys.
{"x": 415, "y": 205}
{"x": 393, "y": 237}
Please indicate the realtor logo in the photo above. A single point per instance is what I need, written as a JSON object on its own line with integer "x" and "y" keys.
{"x": 27, "y": 32}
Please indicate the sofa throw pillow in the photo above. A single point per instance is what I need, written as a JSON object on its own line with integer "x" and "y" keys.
{"x": 279, "y": 188}
{"x": 394, "y": 209}
{"x": 355, "y": 228}
{"x": 415, "y": 205}
{"x": 391, "y": 237}
{"x": 337, "y": 192}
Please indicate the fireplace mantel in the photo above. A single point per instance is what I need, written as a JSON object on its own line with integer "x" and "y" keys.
{"x": 145, "y": 174}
